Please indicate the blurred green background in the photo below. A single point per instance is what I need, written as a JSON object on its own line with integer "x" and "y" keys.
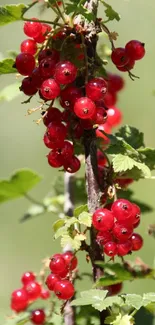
{"x": 23, "y": 246}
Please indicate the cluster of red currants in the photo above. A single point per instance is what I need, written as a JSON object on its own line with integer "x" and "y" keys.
{"x": 62, "y": 266}
{"x": 124, "y": 58}
{"x": 115, "y": 225}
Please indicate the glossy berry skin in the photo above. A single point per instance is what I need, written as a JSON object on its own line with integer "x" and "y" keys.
{"x": 53, "y": 115}
{"x": 32, "y": 29}
{"x": 37, "y": 317}
{"x": 67, "y": 151}
{"x": 115, "y": 82}
{"x": 100, "y": 116}
{"x": 110, "y": 248}
{"x": 84, "y": 108}
{"x": 55, "y": 159}
{"x": 69, "y": 96}
{"x": 47, "y": 142}
{"x": 43, "y": 35}
{"x": 122, "y": 210}
{"x": 70, "y": 259}
{"x": 63, "y": 274}
{"x": 45, "y": 294}
{"x": 135, "y": 50}
{"x": 103, "y": 219}
{"x": 33, "y": 290}
{"x": 114, "y": 116}
{"x": 27, "y": 87}
{"x": 64, "y": 289}
{"x": 65, "y": 72}
{"x": 25, "y": 63}
{"x": 47, "y": 67}
{"x": 110, "y": 99}
{"x": 124, "y": 248}
{"x": 49, "y": 53}
{"x": 56, "y": 133}
{"x": 119, "y": 57}
{"x": 19, "y": 300}
{"x": 122, "y": 232}
{"x": 104, "y": 237}
{"x": 72, "y": 165}
{"x": 50, "y": 89}
{"x": 28, "y": 46}
{"x": 96, "y": 88}
{"x": 51, "y": 280}
{"x": 114, "y": 289}
{"x": 57, "y": 264}
{"x": 136, "y": 213}
{"x": 137, "y": 242}
{"x": 129, "y": 66}
{"x": 37, "y": 79}
{"x": 28, "y": 277}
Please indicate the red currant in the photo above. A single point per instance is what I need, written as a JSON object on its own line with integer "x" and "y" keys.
{"x": 47, "y": 141}
{"x": 71, "y": 260}
{"x": 56, "y": 132}
{"x": 44, "y": 32}
{"x": 72, "y": 165}
{"x": 67, "y": 151}
{"x": 69, "y": 96}
{"x": 96, "y": 88}
{"x": 53, "y": 115}
{"x": 50, "y": 89}
{"x": 103, "y": 237}
{"x": 64, "y": 289}
{"x": 25, "y": 63}
{"x": 65, "y": 72}
{"x": 32, "y": 28}
{"x": 49, "y": 53}
{"x": 27, "y": 87}
{"x": 136, "y": 213}
{"x": 55, "y": 159}
{"x": 110, "y": 99}
{"x": 100, "y": 116}
{"x": 137, "y": 242}
{"x": 114, "y": 116}
{"x": 124, "y": 248}
{"x": 28, "y": 46}
{"x": 84, "y": 108}
{"x": 103, "y": 219}
{"x": 119, "y": 57}
{"x": 129, "y": 66}
{"x": 57, "y": 264}
{"x": 114, "y": 289}
{"x": 27, "y": 277}
{"x": 135, "y": 50}
{"x": 45, "y": 294}
{"x": 110, "y": 248}
{"x": 122, "y": 232}
{"x": 122, "y": 210}
{"x": 37, "y": 79}
{"x": 19, "y": 300}
{"x": 124, "y": 182}
{"x": 37, "y": 317}
{"x": 33, "y": 290}
{"x": 115, "y": 82}
{"x": 51, "y": 280}
{"x": 47, "y": 67}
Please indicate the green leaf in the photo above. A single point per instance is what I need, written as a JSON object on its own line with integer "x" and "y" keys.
{"x": 10, "y": 92}
{"x": 90, "y": 297}
{"x": 11, "y": 13}
{"x": 75, "y": 242}
{"x": 19, "y": 184}
{"x": 119, "y": 145}
{"x": 110, "y": 12}
{"x": 61, "y": 232}
{"x": 58, "y": 224}
{"x": 19, "y": 319}
{"x": 132, "y": 136}
{"x": 122, "y": 163}
{"x": 147, "y": 156}
{"x": 150, "y": 297}
{"x": 113, "y": 273}
{"x": 77, "y": 7}
{"x": 85, "y": 218}
{"x": 123, "y": 320}
{"x": 133, "y": 300}
{"x": 110, "y": 319}
{"x": 6, "y": 66}
{"x": 70, "y": 221}
{"x": 107, "y": 302}
{"x": 86, "y": 13}
{"x": 80, "y": 209}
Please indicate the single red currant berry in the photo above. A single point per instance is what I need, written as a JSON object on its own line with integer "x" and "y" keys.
{"x": 122, "y": 232}
{"x": 25, "y": 63}
{"x": 55, "y": 159}
{"x": 122, "y": 210}
{"x": 124, "y": 248}
{"x": 32, "y": 28}
{"x": 103, "y": 219}
{"x": 110, "y": 99}
{"x": 137, "y": 242}
{"x": 129, "y": 66}
{"x": 96, "y": 88}
{"x": 72, "y": 165}
{"x": 28, "y": 46}
{"x": 67, "y": 151}
{"x": 51, "y": 280}
{"x": 136, "y": 213}
{"x": 47, "y": 142}
{"x": 28, "y": 87}
{"x": 114, "y": 116}
{"x": 135, "y": 50}
{"x": 63, "y": 274}
{"x": 27, "y": 277}
{"x": 64, "y": 289}
{"x": 57, "y": 264}
{"x": 119, "y": 57}
{"x": 19, "y": 300}
{"x": 103, "y": 237}
{"x": 49, "y": 53}
{"x": 47, "y": 67}
{"x": 52, "y": 115}
{"x": 37, "y": 317}
{"x": 84, "y": 108}
{"x": 65, "y": 72}
{"x": 43, "y": 35}
{"x": 114, "y": 289}
{"x": 100, "y": 116}
{"x": 110, "y": 248}
{"x": 56, "y": 133}
{"x": 50, "y": 89}
{"x": 115, "y": 82}
{"x": 37, "y": 79}
{"x": 71, "y": 260}
{"x": 33, "y": 290}
{"x": 135, "y": 225}
{"x": 69, "y": 96}
{"x": 45, "y": 294}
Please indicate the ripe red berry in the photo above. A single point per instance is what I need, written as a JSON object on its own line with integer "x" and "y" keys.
{"x": 49, "y": 53}
{"x": 103, "y": 237}
{"x": 65, "y": 72}
{"x": 67, "y": 151}
{"x": 72, "y": 165}
{"x": 114, "y": 289}
{"x": 45, "y": 294}
{"x": 44, "y": 32}
{"x": 69, "y": 96}
{"x": 119, "y": 57}
{"x": 136, "y": 213}
{"x": 96, "y": 88}
{"x": 129, "y": 66}
{"x": 57, "y": 264}
{"x": 37, "y": 79}
{"x": 32, "y": 28}
{"x": 115, "y": 82}
{"x": 37, "y": 317}
{"x": 33, "y": 290}
{"x": 19, "y": 300}
{"x": 63, "y": 274}
{"x": 56, "y": 133}
{"x": 64, "y": 289}
{"x": 50, "y": 89}
{"x": 114, "y": 116}
{"x": 55, "y": 159}
{"x": 47, "y": 67}
{"x": 122, "y": 210}
{"x": 103, "y": 219}
{"x": 27, "y": 277}
{"x": 51, "y": 280}
{"x": 110, "y": 99}
{"x": 71, "y": 260}
{"x": 84, "y": 108}
{"x": 100, "y": 116}
{"x": 25, "y": 63}
{"x": 135, "y": 50}
{"x": 137, "y": 242}
{"x": 28, "y": 46}
{"x": 53, "y": 115}
{"x": 122, "y": 232}
{"x": 28, "y": 87}
{"x": 124, "y": 248}
{"x": 47, "y": 141}
{"x": 110, "y": 248}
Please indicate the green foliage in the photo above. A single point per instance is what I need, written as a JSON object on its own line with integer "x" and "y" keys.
{"x": 123, "y": 163}
{"x": 80, "y": 209}
{"x": 6, "y": 66}
{"x": 10, "y": 92}
{"x": 18, "y": 185}
{"x": 76, "y": 7}
{"x": 119, "y": 320}
{"x": 132, "y": 136}
{"x": 11, "y": 13}
{"x": 110, "y": 12}
{"x": 137, "y": 301}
